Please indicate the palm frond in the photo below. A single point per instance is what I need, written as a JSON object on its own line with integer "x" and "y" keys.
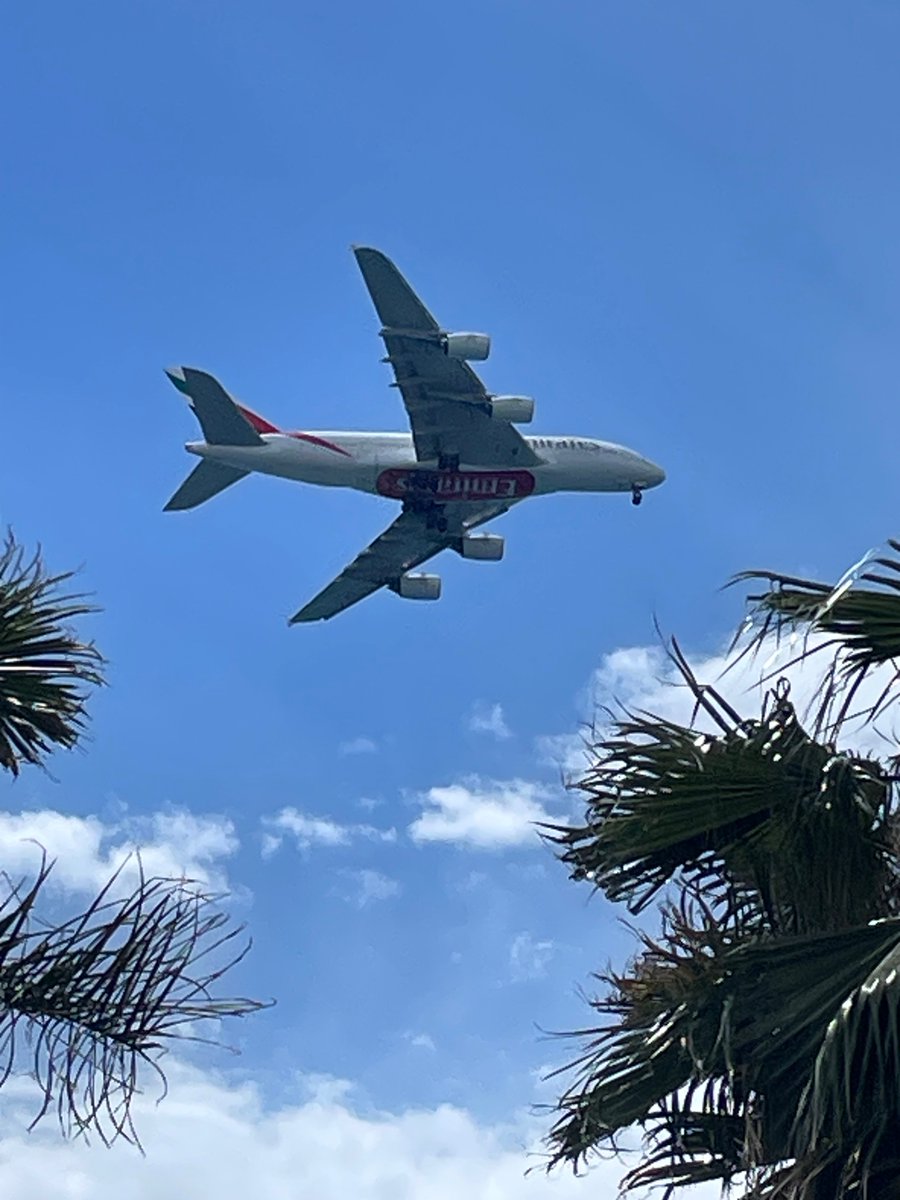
{"x": 852, "y": 1100}
{"x": 782, "y": 831}
{"x": 686, "y": 1146}
{"x": 858, "y": 620}
{"x": 44, "y": 667}
{"x": 752, "y": 1021}
{"x": 105, "y": 992}
{"x": 637, "y": 1064}
{"x": 769, "y": 1002}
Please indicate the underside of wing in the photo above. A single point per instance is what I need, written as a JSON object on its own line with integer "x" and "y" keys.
{"x": 405, "y": 544}
{"x": 449, "y": 409}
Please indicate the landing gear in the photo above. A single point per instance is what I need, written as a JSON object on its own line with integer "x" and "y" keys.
{"x": 423, "y": 490}
{"x": 636, "y": 495}
{"x": 436, "y": 518}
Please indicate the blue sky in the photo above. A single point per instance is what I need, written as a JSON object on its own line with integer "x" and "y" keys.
{"x": 678, "y": 223}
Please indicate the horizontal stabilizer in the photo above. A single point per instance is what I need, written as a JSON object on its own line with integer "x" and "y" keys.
{"x": 221, "y": 420}
{"x": 205, "y": 481}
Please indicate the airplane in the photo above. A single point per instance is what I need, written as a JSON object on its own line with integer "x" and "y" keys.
{"x": 463, "y": 463}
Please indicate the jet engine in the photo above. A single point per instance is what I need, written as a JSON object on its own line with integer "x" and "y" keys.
{"x": 472, "y": 347}
{"x": 487, "y": 547}
{"x": 419, "y": 587}
{"x": 518, "y": 409}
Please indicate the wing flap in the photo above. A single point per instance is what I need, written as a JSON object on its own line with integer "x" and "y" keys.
{"x": 447, "y": 404}
{"x": 405, "y": 544}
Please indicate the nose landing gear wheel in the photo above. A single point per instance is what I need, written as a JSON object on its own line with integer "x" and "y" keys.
{"x": 636, "y": 495}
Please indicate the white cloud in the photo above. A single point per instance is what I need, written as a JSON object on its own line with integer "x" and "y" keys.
{"x": 358, "y": 745}
{"x": 645, "y": 678}
{"x": 210, "y": 1139}
{"x": 270, "y": 843}
{"x": 489, "y": 718}
{"x": 482, "y": 813}
{"x": 88, "y": 851}
{"x": 471, "y": 881}
{"x": 308, "y": 831}
{"x": 546, "y": 1083}
{"x": 566, "y": 752}
{"x": 636, "y": 677}
{"x": 422, "y": 1041}
{"x": 370, "y": 886}
{"x": 528, "y": 959}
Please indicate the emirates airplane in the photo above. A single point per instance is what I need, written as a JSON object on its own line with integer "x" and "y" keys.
{"x": 463, "y": 463}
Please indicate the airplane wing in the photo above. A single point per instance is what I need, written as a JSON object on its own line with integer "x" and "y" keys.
{"x": 448, "y": 407}
{"x": 405, "y": 544}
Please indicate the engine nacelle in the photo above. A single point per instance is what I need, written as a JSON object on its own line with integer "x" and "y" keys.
{"x": 472, "y": 347}
{"x": 419, "y": 587}
{"x": 486, "y": 547}
{"x": 518, "y": 409}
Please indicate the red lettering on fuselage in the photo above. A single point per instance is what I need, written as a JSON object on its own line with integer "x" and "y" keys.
{"x": 446, "y": 486}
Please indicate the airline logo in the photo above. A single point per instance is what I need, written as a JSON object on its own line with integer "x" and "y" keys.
{"x": 447, "y": 486}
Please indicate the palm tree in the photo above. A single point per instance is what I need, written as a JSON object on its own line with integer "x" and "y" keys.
{"x": 106, "y": 991}
{"x": 755, "y": 1036}
{"x": 44, "y": 668}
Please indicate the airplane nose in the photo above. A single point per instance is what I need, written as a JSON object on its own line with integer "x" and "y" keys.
{"x": 651, "y": 474}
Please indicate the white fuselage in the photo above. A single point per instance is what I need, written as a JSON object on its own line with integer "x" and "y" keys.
{"x": 380, "y": 463}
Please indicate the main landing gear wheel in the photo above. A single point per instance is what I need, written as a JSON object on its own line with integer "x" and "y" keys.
{"x": 436, "y": 521}
{"x": 636, "y": 495}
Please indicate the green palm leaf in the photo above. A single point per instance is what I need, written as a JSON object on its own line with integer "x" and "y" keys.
{"x": 686, "y": 1147}
{"x": 743, "y": 813}
{"x": 93, "y": 1000}
{"x": 44, "y": 667}
{"x": 853, "y": 1095}
{"x": 752, "y": 1022}
{"x": 634, "y": 1065}
{"x": 758, "y": 1033}
{"x": 103, "y": 994}
{"x": 858, "y": 618}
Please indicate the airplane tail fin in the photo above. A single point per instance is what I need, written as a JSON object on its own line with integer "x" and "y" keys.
{"x": 224, "y": 422}
{"x": 206, "y": 480}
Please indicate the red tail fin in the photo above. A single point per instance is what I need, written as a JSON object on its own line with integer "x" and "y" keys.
{"x": 260, "y": 424}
